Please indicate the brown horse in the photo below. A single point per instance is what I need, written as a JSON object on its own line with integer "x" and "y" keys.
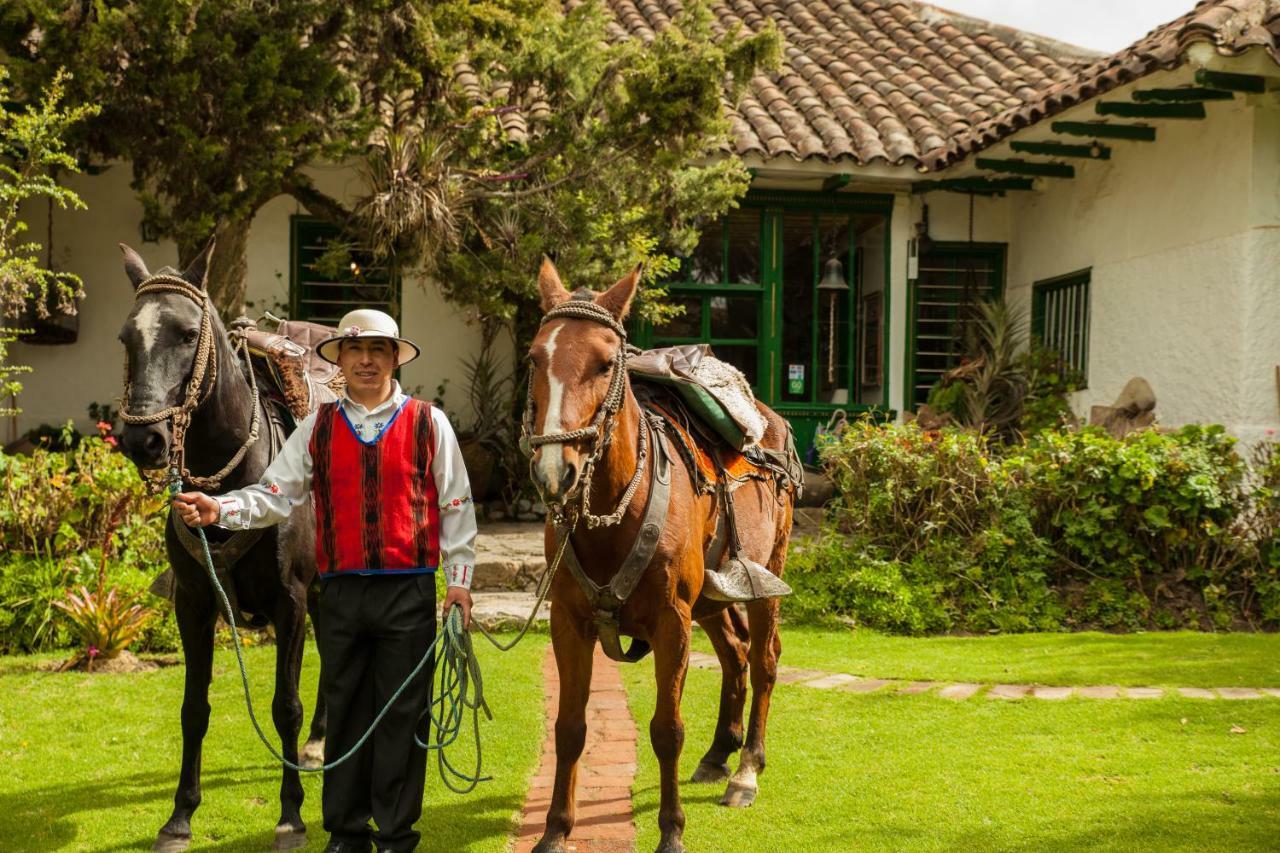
{"x": 573, "y": 362}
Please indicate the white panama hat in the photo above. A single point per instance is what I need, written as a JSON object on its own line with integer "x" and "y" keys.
{"x": 367, "y": 323}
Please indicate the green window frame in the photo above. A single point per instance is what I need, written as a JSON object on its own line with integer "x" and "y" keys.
{"x": 952, "y": 278}
{"x": 321, "y": 298}
{"x": 1060, "y": 315}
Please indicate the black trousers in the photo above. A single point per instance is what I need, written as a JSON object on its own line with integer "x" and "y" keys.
{"x": 372, "y": 632}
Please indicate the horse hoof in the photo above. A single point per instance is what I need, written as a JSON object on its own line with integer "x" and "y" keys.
{"x": 290, "y": 838}
{"x": 550, "y": 845}
{"x": 670, "y": 845}
{"x": 312, "y": 753}
{"x": 709, "y": 772}
{"x": 738, "y": 796}
{"x": 167, "y": 843}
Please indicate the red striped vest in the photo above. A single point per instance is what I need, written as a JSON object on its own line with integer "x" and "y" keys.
{"x": 376, "y": 506}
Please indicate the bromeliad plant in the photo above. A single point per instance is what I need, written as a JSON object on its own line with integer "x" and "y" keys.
{"x": 107, "y": 619}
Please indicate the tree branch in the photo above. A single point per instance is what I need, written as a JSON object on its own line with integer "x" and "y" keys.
{"x": 317, "y": 203}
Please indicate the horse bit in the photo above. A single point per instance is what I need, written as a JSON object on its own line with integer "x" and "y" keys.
{"x": 198, "y": 390}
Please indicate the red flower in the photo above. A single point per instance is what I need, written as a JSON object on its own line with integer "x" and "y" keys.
{"x": 110, "y": 439}
{"x": 104, "y": 427}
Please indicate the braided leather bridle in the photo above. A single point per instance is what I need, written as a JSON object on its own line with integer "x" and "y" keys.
{"x": 600, "y": 430}
{"x": 199, "y": 387}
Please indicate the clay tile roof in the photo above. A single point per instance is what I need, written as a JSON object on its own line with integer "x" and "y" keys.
{"x": 871, "y": 81}
{"x": 1231, "y": 26}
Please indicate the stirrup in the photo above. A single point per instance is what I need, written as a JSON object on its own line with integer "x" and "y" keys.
{"x": 742, "y": 580}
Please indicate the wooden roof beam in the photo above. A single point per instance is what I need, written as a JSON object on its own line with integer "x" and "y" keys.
{"x": 1102, "y": 130}
{"x": 1027, "y": 167}
{"x": 1128, "y": 109}
{"x": 1055, "y": 148}
{"x": 1189, "y": 94}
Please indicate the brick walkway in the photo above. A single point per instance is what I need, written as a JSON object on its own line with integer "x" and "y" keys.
{"x": 604, "y": 818}
{"x": 950, "y": 690}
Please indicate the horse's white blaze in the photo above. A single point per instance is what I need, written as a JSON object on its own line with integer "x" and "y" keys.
{"x": 551, "y": 458}
{"x": 147, "y": 322}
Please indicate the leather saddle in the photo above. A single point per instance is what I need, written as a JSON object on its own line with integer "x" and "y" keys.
{"x": 297, "y": 377}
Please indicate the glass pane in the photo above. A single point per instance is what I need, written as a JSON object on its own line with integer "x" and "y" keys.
{"x": 734, "y": 316}
{"x": 742, "y": 356}
{"x": 744, "y": 247}
{"x": 835, "y": 288}
{"x": 798, "y": 280}
{"x": 706, "y": 264}
{"x": 688, "y": 324}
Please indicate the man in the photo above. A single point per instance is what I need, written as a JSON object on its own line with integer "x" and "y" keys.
{"x": 393, "y": 505}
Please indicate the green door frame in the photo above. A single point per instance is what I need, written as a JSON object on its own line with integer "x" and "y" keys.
{"x": 773, "y": 204}
{"x": 995, "y": 251}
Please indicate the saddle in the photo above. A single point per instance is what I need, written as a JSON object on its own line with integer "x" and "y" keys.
{"x": 716, "y": 391}
{"x": 718, "y": 467}
{"x": 295, "y": 376}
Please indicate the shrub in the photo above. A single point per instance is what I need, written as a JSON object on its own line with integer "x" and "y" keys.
{"x": 942, "y": 530}
{"x": 55, "y": 516}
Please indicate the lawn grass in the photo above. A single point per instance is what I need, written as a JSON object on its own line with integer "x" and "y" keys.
{"x": 1172, "y": 659}
{"x": 891, "y": 772}
{"x": 90, "y": 762}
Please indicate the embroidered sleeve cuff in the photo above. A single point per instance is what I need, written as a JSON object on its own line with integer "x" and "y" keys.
{"x": 232, "y": 514}
{"x": 459, "y": 574}
{"x": 455, "y": 504}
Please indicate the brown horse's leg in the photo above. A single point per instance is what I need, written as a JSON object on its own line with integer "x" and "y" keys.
{"x": 573, "y": 654}
{"x": 195, "y": 625}
{"x": 286, "y": 711}
{"x": 313, "y": 749}
{"x": 728, "y": 633}
{"x": 666, "y": 729}
{"x": 766, "y": 647}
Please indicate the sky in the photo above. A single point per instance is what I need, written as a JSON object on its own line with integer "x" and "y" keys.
{"x": 1104, "y": 25}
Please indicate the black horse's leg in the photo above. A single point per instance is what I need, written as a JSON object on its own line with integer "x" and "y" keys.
{"x": 313, "y": 749}
{"x": 195, "y": 625}
{"x": 286, "y": 710}
{"x": 727, "y": 631}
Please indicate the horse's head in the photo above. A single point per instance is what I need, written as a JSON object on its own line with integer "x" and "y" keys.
{"x": 160, "y": 337}
{"x": 572, "y": 361}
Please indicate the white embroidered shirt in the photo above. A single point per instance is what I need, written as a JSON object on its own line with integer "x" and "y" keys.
{"x": 287, "y": 483}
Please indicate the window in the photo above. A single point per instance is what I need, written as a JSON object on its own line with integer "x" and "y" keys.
{"x": 719, "y": 286}
{"x": 322, "y": 297}
{"x": 953, "y": 279}
{"x": 1060, "y": 318}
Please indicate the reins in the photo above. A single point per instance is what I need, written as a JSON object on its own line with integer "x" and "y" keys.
{"x": 199, "y": 387}
{"x": 600, "y": 430}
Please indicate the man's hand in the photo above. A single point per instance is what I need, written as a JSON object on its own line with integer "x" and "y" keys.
{"x": 460, "y": 596}
{"x": 196, "y": 509}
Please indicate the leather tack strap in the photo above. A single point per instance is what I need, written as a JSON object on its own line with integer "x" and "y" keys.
{"x": 607, "y": 600}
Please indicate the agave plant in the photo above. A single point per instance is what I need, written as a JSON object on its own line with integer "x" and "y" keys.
{"x": 988, "y": 391}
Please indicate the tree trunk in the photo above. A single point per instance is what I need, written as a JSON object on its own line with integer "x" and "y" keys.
{"x": 228, "y": 276}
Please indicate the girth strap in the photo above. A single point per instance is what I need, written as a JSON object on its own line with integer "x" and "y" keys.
{"x": 607, "y": 600}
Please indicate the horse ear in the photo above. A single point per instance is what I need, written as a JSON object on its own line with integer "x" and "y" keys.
{"x": 199, "y": 268}
{"x": 617, "y": 299}
{"x": 134, "y": 266}
{"x": 549, "y": 286}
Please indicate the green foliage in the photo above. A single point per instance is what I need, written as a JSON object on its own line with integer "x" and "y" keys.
{"x": 1049, "y": 383}
{"x": 82, "y": 516}
{"x": 933, "y": 531}
{"x": 106, "y": 621}
{"x": 32, "y": 153}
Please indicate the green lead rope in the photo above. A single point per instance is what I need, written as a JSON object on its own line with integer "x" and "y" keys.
{"x": 460, "y": 686}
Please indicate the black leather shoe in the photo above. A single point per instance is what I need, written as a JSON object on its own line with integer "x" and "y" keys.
{"x": 348, "y": 846}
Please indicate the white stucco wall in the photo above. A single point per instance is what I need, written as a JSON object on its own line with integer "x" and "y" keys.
{"x": 1180, "y": 293}
{"x": 65, "y": 379}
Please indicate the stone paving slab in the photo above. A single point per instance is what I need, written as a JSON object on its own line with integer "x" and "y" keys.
{"x": 1196, "y": 693}
{"x": 1105, "y": 691}
{"x": 1052, "y": 693}
{"x": 1008, "y": 691}
{"x": 1239, "y": 693}
{"x": 509, "y": 556}
{"x": 959, "y": 691}
{"x": 917, "y": 687}
{"x": 499, "y": 610}
{"x": 1143, "y": 693}
{"x": 837, "y": 680}
{"x": 790, "y": 675}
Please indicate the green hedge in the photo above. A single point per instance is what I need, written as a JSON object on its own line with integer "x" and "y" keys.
{"x": 939, "y": 531}
{"x": 55, "y": 511}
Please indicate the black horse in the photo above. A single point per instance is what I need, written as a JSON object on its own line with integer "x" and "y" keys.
{"x": 180, "y": 360}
